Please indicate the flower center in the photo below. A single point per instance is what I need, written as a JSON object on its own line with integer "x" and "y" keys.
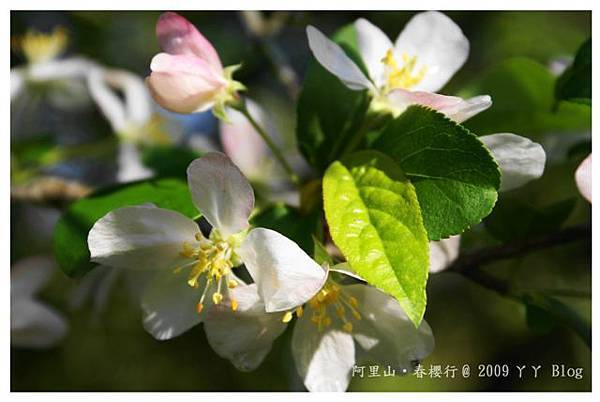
{"x": 153, "y": 132}
{"x": 213, "y": 258}
{"x": 38, "y": 47}
{"x": 331, "y": 298}
{"x": 404, "y": 77}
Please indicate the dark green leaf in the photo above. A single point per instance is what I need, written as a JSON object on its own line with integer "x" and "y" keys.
{"x": 575, "y": 84}
{"x": 291, "y": 223}
{"x": 70, "y": 235}
{"x": 168, "y": 161}
{"x": 560, "y": 312}
{"x": 513, "y": 219}
{"x": 455, "y": 176}
{"x": 523, "y": 94}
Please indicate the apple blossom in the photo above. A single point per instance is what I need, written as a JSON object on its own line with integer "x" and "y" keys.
{"x": 345, "y": 323}
{"x": 583, "y": 178}
{"x": 188, "y": 76}
{"x": 194, "y": 273}
{"x": 426, "y": 54}
{"x": 33, "y": 324}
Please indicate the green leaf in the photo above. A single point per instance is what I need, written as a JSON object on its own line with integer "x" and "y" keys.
{"x": 455, "y": 176}
{"x": 291, "y": 223}
{"x": 70, "y": 235}
{"x": 575, "y": 84}
{"x": 329, "y": 113}
{"x": 523, "y": 94}
{"x": 320, "y": 253}
{"x": 375, "y": 220}
{"x": 561, "y": 312}
{"x": 168, "y": 161}
{"x": 513, "y": 219}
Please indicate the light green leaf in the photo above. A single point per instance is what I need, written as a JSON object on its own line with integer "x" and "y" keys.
{"x": 70, "y": 235}
{"x": 455, "y": 176}
{"x": 329, "y": 113}
{"x": 375, "y": 220}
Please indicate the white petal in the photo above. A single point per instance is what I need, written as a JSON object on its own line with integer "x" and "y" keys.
{"x": 285, "y": 275}
{"x": 583, "y": 178}
{"x": 35, "y": 325}
{"x": 373, "y": 44}
{"x": 221, "y": 192}
{"x": 333, "y": 58}
{"x": 17, "y": 83}
{"x": 243, "y": 336}
{"x": 324, "y": 359}
{"x": 443, "y": 253}
{"x": 169, "y": 305}
{"x": 346, "y": 269}
{"x": 385, "y": 333}
{"x": 520, "y": 159}
{"x": 130, "y": 163}
{"x": 138, "y": 102}
{"x": 70, "y": 68}
{"x": 140, "y": 237}
{"x": 28, "y": 275}
{"x": 439, "y": 45}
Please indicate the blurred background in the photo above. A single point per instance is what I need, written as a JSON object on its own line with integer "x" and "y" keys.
{"x": 58, "y": 132}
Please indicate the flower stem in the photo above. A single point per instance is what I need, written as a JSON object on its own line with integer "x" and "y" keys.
{"x": 241, "y": 107}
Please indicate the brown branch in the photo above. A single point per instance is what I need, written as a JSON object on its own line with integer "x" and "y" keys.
{"x": 471, "y": 261}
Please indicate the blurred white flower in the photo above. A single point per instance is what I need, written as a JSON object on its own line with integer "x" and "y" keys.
{"x": 33, "y": 324}
{"x": 426, "y": 54}
{"x": 42, "y": 53}
{"x": 583, "y": 178}
{"x": 131, "y": 117}
{"x": 194, "y": 274}
{"x": 248, "y": 151}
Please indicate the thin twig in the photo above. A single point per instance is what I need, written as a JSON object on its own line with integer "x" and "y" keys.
{"x": 471, "y": 261}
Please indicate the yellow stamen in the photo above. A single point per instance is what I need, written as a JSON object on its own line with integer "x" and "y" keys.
{"x": 199, "y": 307}
{"x": 217, "y": 298}
{"x": 287, "y": 317}
{"x": 299, "y": 311}
{"x": 234, "y": 305}
{"x": 348, "y": 326}
{"x": 231, "y": 284}
{"x": 401, "y": 77}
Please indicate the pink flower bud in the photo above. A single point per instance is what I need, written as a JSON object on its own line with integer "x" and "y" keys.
{"x": 188, "y": 76}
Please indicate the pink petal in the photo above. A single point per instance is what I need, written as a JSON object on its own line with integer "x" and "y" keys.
{"x": 177, "y": 35}
{"x": 242, "y": 143}
{"x": 453, "y": 107}
{"x": 185, "y": 64}
{"x": 182, "y": 93}
{"x": 583, "y": 178}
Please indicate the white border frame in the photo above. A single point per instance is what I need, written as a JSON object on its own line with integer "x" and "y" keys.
{"x": 562, "y": 5}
